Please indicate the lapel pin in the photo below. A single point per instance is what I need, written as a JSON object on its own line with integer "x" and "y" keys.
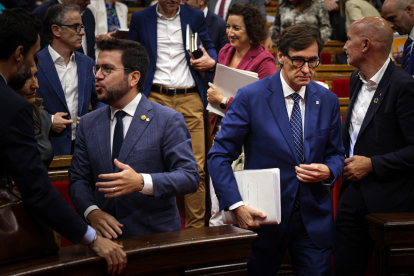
{"x": 376, "y": 100}
{"x": 317, "y": 102}
{"x": 147, "y": 119}
{"x": 143, "y": 117}
{"x": 380, "y": 94}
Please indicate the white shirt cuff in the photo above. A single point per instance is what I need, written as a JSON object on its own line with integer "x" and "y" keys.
{"x": 89, "y": 236}
{"x": 88, "y": 210}
{"x": 236, "y": 205}
{"x": 148, "y": 185}
{"x": 51, "y": 118}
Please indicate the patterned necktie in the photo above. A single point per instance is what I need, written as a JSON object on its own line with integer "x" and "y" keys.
{"x": 296, "y": 127}
{"x": 118, "y": 138}
{"x": 408, "y": 47}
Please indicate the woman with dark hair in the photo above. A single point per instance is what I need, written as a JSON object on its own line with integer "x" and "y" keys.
{"x": 245, "y": 29}
{"x": 293, "y": 12}
{"x": 42, "y": 122}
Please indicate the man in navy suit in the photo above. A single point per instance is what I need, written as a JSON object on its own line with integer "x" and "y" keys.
{"x": 19, "y": 154}
{"x": 285, "y": 121}
{"x": 400, "y": 15}
{"x": 378, "y": 137}
{"x": 132, "y": 157}
{"x": 66, "y": 82}
{"x": 175, "y": 80}
{"x": 87, "y": 19}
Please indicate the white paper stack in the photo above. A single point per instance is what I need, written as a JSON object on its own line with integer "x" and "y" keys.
{"x": 260, "y": 190}
{"x": 229, "y": 80}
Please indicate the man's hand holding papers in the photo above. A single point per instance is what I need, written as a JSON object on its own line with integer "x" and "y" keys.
{"x": 245, "y": 217}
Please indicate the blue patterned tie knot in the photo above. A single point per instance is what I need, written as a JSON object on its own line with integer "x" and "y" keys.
{"x": 296, "y": 127}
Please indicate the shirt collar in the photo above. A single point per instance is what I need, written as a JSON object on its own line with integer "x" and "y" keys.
{"x": 287, "y": 90}
{"x": 205, "y": 11}
{"x": 129, "y": 108}
{"x": 411, "y": 35}
{"x": 163, "y": 17}
{"x": 3, "y": 78}
{"x": 378, "y": 76}
{"x": 55, "y": 56}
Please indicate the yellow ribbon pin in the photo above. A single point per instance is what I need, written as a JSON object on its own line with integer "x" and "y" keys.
{"x": 143, "y": 117}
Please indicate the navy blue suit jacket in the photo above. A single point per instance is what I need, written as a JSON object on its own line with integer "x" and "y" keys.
{"x": 257, "y": 118}
{"x": 387, "y": 137}
{"x": 160, "y": 147}
{"x": 410, "y": 68}
{"x": 87, "y": 19}
{"x": 143, "y": 28}
{"x": 20, "y": 158}
{"x": 51, "y": 91}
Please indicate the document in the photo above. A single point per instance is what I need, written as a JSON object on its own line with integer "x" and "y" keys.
{"x": 229, "y": 80}
{"x": 121, "y": 34}
{"x": 260, "y": 190}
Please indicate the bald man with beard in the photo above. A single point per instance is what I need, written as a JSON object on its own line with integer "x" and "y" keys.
{"x": 378, "y": 139}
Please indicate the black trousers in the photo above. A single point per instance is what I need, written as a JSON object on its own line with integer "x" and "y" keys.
{"x": 354, "y": 246}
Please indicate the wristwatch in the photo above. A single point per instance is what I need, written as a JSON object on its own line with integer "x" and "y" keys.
{"x": 223, "y": 103}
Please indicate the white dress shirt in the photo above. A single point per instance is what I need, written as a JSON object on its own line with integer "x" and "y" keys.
{"x": 68, "y": 76}
{"x": 362, "y": 103}
{"x": 171, "y": 68}
{"x": 129, "y": 109}
{"x": 289, "y": 102}
{"x": 226, "y": 7}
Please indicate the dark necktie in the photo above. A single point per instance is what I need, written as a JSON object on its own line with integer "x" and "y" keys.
{"x": 118, "y": 138}
{"x": 296, "y": 127}
{"x": 221, "y": 9}
{"x": 407, "y": 53}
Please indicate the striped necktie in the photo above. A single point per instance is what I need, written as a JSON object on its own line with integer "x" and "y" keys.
{"x": 408, "y": 47}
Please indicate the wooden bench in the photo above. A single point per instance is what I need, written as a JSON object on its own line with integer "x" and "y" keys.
{"x": 216, "y": 250}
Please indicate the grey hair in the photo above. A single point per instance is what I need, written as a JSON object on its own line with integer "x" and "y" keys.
{"x": 56, "y": 15}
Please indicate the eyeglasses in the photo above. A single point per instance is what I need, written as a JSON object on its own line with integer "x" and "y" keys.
{"x": 299, "y": 62}
{"x": 76, "y": 27}
{"x": 106, "y": 69}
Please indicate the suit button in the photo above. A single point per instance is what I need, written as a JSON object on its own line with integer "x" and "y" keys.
{"x": 291, "y": 198}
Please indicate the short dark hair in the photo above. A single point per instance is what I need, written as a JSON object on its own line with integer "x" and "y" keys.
{"x": 254, "y": 21}
{"x": 299, "y": 37}
{"x": 18, "y": 27}
{"x": 56, "y": 15}
{"x": 134, "y": 56}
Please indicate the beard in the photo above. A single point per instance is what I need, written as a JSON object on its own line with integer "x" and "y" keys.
{"x": 114, "y": 92}
{"x": 20, "y": 78}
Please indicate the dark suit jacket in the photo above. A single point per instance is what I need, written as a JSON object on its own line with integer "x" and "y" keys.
{"x": 87, "y": 19}
{"x": 51, "y": 91}
{"x": 261, "y": 4}
{"x": 387, "y": 137}
{"x": 410, "y": 68}
{"x": 257, "y": 119}
{"x": 9, "y": 4}
{"x": 143, "y": 28}
{"x": 160, "y": 147}
{"x": 20, "y": 158}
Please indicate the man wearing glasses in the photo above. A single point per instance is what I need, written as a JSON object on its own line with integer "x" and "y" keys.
{"x": 285, "y": 121}
{"x": 66, "y": 83}
{"x": 133, "y": 156}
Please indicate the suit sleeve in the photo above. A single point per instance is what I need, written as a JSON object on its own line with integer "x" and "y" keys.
{"x": 82, "y": 184}
{"x": 227, "y": 147}
{"x": 181, "y": 176}
{"x": 22, "y": 160}
{"x": 391, "y": 163}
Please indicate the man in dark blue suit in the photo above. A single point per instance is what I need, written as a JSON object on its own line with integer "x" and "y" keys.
{"x": 378, "y": 138}
{"x": 87, "y": 19}
{"x": 66, "y": 82}
{"x": 19, "y": 154}
{"x": 285, "y": 121}
{"x": 175, "y": 80}
{"x": 400, "y": 15}
{"x": 132, "y": 157}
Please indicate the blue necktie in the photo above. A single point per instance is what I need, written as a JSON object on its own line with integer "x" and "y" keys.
{"x": 407, "y": 54}
{"x": 296, "y": 127}
{"x": 118, "y": 138}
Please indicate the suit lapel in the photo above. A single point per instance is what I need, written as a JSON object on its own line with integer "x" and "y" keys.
{"x": 49, "y": 70}
{"x": 136, "y": 128}
{"x": 248, "y": 57}
{"x": 81, "y": 65}
{"x": 152, "y": 30}
{"x": 377, "y": 99}
{"x": 103, "y": 129}
{"x": 277, "y": 105}
{"x": 311, "y": 116}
